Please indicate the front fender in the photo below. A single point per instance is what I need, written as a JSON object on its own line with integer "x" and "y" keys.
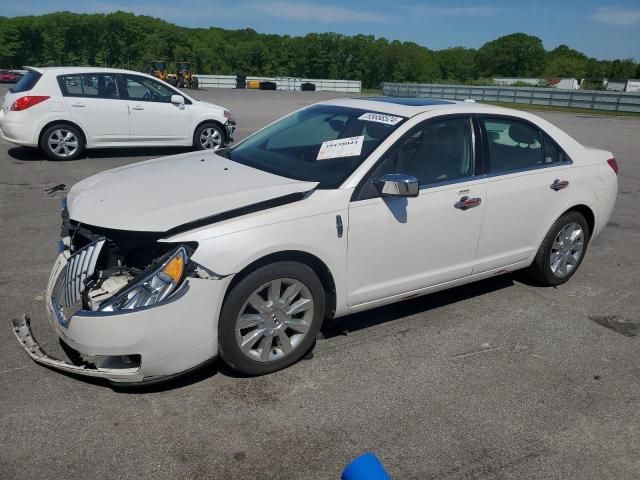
{"x": 315, "y": 235}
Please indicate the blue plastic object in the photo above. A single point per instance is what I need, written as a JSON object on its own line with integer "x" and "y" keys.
{"x": 365, "y": 467}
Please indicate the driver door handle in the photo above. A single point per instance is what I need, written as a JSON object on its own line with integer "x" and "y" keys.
{"x": 559, "y": 184}
{"x": 137, "y": 107}
{"x": 465, "y": 203}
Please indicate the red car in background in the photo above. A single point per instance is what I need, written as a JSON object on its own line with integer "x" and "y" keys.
{"x": 7, "y": 76}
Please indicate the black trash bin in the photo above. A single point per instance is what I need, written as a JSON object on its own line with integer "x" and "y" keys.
{"x": 241, "y": 81}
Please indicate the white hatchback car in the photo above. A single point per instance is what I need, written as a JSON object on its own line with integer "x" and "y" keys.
{"x": 64, "y": 110}
{"x": 337, "y": 208}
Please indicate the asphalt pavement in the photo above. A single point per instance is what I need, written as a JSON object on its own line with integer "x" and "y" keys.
{"x": 497, "y": 379}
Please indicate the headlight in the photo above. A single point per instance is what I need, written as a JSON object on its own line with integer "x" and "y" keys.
{"x": 154, "y": 287}
{"x": 229, "y": 116}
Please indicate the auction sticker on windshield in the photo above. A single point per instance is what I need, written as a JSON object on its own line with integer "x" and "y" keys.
{"x": 380, "y": 118}
{"x": 342, "y": 147}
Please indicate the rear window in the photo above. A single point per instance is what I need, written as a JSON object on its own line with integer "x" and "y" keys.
{"x": 27, "y": 82}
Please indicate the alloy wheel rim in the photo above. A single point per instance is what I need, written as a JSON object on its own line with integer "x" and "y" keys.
{"x": 210, "y": 139}
{"x": 63, "y": 142}
{"x": 274, "y": 320}
{"x": 567, "y": 250}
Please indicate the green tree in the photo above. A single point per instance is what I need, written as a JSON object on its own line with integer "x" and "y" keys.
{"x": 515, "y": 55}
{"x": 566, "y": 62}
{"x": 457, "y": 64}
{"x": 622, "y": 69}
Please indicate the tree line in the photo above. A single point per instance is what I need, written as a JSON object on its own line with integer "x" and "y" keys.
{"x": 131, "y": 41}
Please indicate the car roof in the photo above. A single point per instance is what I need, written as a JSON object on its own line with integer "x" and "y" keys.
{"x": 78, "y": 70}
{"x": 410, "y": 106}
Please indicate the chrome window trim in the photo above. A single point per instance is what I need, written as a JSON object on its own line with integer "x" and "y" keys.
{"x": 444, "y": 183}
{"x": 566, "y": 163}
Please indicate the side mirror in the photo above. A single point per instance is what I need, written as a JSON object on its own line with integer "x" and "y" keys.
{"x": 397, "y": 185}
{"x": 177, "y": 99}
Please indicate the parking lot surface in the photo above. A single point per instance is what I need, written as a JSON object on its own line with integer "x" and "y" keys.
{"x": 497, "y": 379}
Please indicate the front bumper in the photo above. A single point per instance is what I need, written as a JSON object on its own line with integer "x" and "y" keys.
{"x": 166, "y": 339}
{"x": 230, "y": 127}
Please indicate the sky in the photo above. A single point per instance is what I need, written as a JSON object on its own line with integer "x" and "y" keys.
{"x": 601, "y": 30}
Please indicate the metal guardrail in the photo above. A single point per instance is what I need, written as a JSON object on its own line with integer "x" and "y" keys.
{"x": 587, "y": 99}
{"x": 284, "y": 83}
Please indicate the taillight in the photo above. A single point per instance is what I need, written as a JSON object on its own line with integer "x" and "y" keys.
{"x": 29, "y": 101}
{"x": 613, "y": 164}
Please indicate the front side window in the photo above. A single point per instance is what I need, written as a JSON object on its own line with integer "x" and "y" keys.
{"x": 147, "y": 90}
{"x": 435, "y": 151}
{"x": 513, "y": 145}
{"x": 322, "y": 143}
{"x": 91, "y": 85}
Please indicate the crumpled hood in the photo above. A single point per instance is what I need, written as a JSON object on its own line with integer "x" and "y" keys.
{"x": 158, "y": 195}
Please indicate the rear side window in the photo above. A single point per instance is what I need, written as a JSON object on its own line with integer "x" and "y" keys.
{"x": 513, "y": 145}
{"x": 92, "y": 85}
{"x": 552, "y": 152}
{"x": 27, "y": 82}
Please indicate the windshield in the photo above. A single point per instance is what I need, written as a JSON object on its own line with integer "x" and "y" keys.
{"x": 322, "y": 143}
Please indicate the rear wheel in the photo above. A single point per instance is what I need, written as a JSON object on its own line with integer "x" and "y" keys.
{"x": 62, "y": 142}
{"x": 194, "y": 83}
{"x": 562, "y": 250}
{"x": 271, "y": 318}
{"x": 208, "y": 137}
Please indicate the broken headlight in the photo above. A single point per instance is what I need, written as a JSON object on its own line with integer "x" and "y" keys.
{"x": 153, "y": 287}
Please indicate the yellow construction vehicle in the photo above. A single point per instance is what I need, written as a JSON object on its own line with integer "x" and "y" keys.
{"x": 158, "y": 69}
{"x": 184, "y": 76}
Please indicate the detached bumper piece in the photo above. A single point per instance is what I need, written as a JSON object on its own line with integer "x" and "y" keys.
{"x": 22, "y": 331}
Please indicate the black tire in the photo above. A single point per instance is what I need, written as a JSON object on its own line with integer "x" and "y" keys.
{"x": 172, "y": 81}
{"x": 194, "y": 83}
{"x": 540, "y": 270}
{"x": 229, "y": 349}
{"x": 51, "y": 133}
{"x": 197, "y": 144}
{"x": 181, "y": 82}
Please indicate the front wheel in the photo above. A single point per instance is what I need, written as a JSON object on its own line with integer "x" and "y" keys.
{"x": 562, "y": 250}
{"x": 208, "y": 137}
{"x": 271, "y": 318}
{"x": 62, "y": 142}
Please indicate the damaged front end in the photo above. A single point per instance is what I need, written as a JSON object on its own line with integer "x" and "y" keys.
{"x": 105, "y": 270}
{"x": 103, "y": 276}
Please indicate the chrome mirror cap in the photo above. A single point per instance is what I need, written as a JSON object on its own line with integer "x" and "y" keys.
{"x": 397, "y": 185}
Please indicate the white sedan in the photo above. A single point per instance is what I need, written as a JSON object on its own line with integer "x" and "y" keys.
{"x": 63, "y": 110}
{"x": 340, "y": 207}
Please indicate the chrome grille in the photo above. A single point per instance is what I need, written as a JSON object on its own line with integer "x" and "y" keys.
{"x": 67, "y": 279}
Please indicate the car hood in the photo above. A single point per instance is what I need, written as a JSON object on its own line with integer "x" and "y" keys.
{"x": 202, "y": 103}
{"x": 162, "y": 194}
